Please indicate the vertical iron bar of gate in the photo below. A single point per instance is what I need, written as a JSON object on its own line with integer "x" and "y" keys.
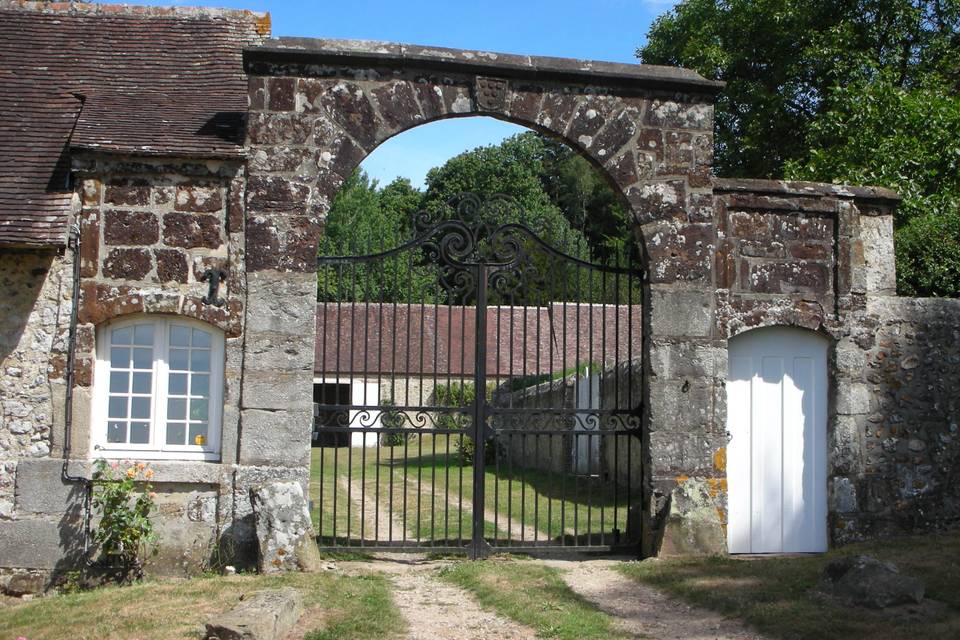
{"x": 479, "y": 414}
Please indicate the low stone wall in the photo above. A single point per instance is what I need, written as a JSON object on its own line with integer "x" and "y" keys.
{"x": 616, "y": 459}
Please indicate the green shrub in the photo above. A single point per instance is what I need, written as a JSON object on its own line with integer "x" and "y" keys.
{"x": 391, "y": 419}
{"x": 123, "y": 498}
{"x": 462, "y": 394}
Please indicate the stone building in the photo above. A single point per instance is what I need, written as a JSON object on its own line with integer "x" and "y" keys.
{"x": 164, "y": 176}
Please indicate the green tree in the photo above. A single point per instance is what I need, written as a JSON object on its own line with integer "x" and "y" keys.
{"x": 364, "y": 221}
{"x": 858, "y": 91}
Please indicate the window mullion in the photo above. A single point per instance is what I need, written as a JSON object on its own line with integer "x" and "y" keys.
{"x": 159, "y": 434}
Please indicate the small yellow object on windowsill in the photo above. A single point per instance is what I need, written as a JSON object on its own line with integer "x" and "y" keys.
{"x": 199, "y": 440}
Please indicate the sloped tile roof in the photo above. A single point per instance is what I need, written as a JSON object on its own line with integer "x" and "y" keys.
{"x": 139, "y": 80}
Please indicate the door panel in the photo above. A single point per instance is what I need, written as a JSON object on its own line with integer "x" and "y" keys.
{"x": 776, "y": 415}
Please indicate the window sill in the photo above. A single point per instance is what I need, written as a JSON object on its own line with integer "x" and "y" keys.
{"x": 164, "y": 471}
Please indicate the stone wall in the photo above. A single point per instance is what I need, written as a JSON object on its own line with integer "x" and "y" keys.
{"x": 34, "y": 315}
{"x": 897, "y": 462}
{"x": 148, "y": 231}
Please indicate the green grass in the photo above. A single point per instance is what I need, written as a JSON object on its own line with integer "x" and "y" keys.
{"x": 534, "y": 595}
{"x": 354, "y": 608}
{"x": 428, "y": 480}
{"x": 774, "y": 594}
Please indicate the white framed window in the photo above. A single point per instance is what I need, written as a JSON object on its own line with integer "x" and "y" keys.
{"x": 158, "y": 389}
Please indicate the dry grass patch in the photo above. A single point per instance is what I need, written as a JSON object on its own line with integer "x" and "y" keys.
{"x": 774, "y": 594}
{"x": 349, "y": 607}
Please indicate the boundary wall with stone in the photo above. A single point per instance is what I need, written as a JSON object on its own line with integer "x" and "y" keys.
{"x": 722, "y": 257}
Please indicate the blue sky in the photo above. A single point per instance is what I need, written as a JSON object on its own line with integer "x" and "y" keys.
{"x": 590, "y": 29}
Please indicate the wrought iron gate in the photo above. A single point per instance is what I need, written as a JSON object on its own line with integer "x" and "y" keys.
{"x": 478, "y": 388}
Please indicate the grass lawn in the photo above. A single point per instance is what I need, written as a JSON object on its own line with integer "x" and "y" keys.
{"x": 424, "y": 486}
{"x": 353, "y": 608}
{"x": 534, "y": 595}
{"x": 773, "y": 594}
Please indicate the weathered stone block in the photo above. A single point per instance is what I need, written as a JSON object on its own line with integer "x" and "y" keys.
{"x": 688, "y": 359}
{"x": 127, "y": 264}
{"x": 681, "y": 405}
{"x": 171, "y": 265}
{"x": 130, "y": 228}
{"x": 697, "y": 519}
{"x": 843, "y": 496}
{"x": 268, "y": 193}
{"x": 864, "y": 580}
{"x": 680, "y": 313}
{"x": 190, "y": 231}
{"x": 199, "y": 198}
{"x": 876, "y": 235}
{"x": 136, "y": 194}
{"x": 41, "y": 490}
{"x": 282, "y": 303}
{"x": 282, "y": 94}
{"x": 266, "y": 615}
{"x": 37, "y": 543}
{"x": 350, "y": 107}
{"x": 853, "y": 398}
{"x": 284, "y": 530}
{"x": 275, "y": 389}
{"x": 273, "y": 351}
{"x": 398, "y": 105}
{"x": 276, "y": 437}
{"x": 786, "y": 277}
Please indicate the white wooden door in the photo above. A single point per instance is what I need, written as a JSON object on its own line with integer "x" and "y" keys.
{"x": 776, "y": 458}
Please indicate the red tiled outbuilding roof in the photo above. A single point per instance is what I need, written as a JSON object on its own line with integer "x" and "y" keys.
{"x": 137, "y": 80}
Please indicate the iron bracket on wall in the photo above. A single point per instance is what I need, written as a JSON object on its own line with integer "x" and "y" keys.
{"x": 214, "y": 276}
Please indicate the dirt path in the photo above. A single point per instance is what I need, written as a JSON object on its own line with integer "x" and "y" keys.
{"x": 643, "y": 611}
{"x": 435, "y": 609}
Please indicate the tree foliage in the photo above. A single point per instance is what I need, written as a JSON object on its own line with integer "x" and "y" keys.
{"x": 855, "y": 91}
{"x": 554, "y": 192}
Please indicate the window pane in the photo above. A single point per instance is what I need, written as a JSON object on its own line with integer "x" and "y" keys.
{"x": 121, "y": 336}
{"x": 178, "y": 384}
{"x": 118, "y": 407}
{"x": 200, "y": 385}
{"x": 179, "y": 335}
{"x": 178, "y": 359}
{"x": 119, "y": 382}
{"x": 201, "y": 338}
{"x": 143, "y": 334}
{"x": 119, "y": 358}
{"x": 140, "y": 408}
{"x": 116, "y": 432}
{"x": 139, "y": 433}
{"x": 176, "y": 432}
{"x": 176, "y": 408}
{"x": 198, "y": 409}
{"x": 200, "y": 360}
{"x": 198, "y": 434}
{"x": 142, "y": 382}
{"x": 143, "y": 358}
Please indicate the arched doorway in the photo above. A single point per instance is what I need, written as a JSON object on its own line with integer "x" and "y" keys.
{"x": 776, "y": 459}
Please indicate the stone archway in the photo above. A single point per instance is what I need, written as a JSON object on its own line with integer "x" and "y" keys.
{"x": 317, "y": 108}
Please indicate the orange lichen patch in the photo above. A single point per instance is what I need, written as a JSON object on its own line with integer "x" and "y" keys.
{"x": 716, "y": 486}
{"x": 720, "y": 459}
{"x": 682, "y": 478}
{"x": 263, "y": 25}
{"x": 722, "y": 514}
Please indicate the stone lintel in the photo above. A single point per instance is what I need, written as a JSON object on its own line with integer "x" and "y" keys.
{"x": 364, "y": 53}
{"x": 796, "y": 188}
